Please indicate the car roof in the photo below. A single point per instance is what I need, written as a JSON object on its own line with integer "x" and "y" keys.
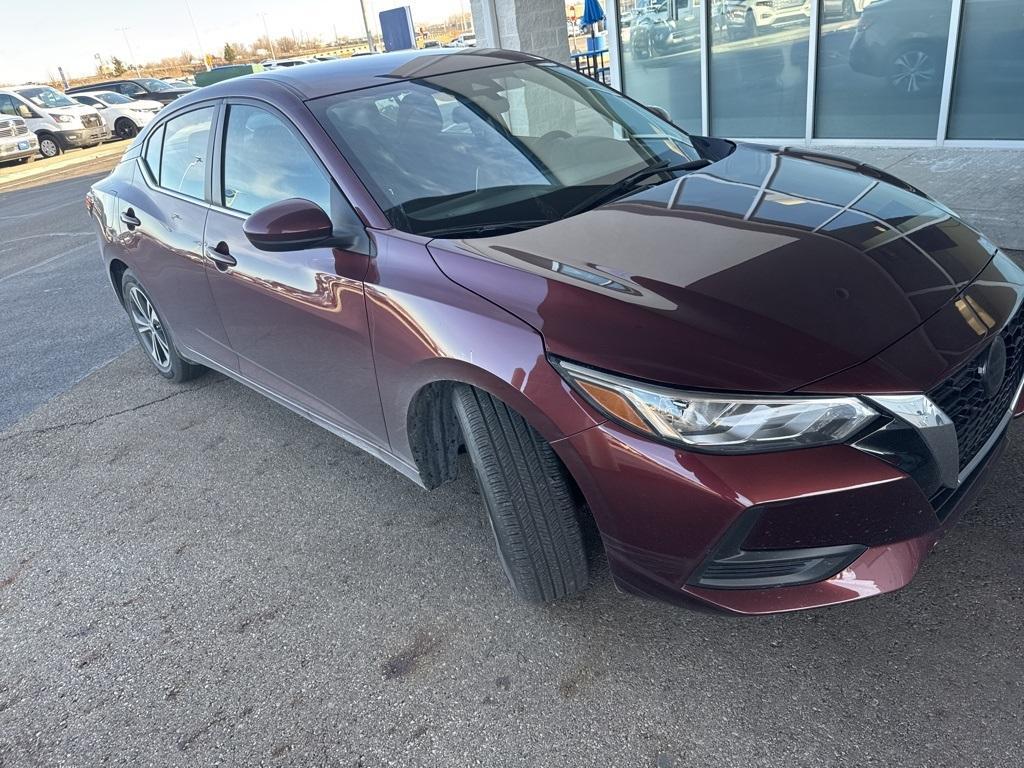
{"x": 329, "y": 77}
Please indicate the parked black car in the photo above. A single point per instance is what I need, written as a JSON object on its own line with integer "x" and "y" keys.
{"x": 138, "y": 88}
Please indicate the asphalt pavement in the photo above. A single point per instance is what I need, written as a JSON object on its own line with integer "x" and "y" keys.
{"x": 193, "y": 576}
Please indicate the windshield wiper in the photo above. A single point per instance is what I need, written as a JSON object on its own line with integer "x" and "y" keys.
{"x": 626, "y": 183}
{"x": 484, "y": 229}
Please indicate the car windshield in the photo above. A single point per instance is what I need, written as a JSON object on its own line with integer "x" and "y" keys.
{"x": 498, "y": 148}
{"x": 152, "y": 84}
{"x": 112, "y": 98}
{"x": 46, "y": 97}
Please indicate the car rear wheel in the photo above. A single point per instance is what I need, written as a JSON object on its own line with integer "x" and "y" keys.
{"x": 153, "y": 335}
{"x": 49, "y": 146}
{"x": 529, "y": 499}
{"x": 125, "y": 128}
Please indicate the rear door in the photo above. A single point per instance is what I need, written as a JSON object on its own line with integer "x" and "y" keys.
{"x": 163, "y": 215}
{"x": 297, "y": 319}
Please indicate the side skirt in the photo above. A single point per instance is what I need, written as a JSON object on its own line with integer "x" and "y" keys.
{"x": 374, "y": 450}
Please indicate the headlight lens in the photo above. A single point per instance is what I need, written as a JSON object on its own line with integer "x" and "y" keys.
{"x": 62, "y": 118}
{"x": 720, "y": 423}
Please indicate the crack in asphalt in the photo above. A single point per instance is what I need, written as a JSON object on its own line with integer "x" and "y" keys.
{"x": 105, "y": 416}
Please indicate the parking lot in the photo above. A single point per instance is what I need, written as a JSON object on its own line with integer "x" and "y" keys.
{"x": 192, "y": 575}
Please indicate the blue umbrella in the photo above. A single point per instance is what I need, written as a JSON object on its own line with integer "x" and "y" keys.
{"x": 592, "y": 13}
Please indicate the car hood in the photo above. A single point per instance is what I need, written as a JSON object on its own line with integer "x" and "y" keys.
{"x": 765, "y": 271}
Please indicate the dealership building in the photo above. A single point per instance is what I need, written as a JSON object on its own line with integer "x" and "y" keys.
{"x": 900, "y": 72}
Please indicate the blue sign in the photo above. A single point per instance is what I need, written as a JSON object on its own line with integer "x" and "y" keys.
{"x": 397, "y": 30}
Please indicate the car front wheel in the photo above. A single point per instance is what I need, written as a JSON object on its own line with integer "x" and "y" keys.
{"x": 530, "y": 501}
{"x": 49, "y": 146}
{"x": 153, "y": 334}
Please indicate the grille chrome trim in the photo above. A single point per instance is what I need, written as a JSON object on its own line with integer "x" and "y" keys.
{"x": 935, "y": 427}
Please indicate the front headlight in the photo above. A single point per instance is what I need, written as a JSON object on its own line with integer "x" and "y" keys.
{"x": 62, "y": 118}
{"x": 719, "y": 423}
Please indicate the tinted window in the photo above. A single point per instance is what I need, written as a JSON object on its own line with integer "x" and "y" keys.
{"x": 880, "y": 75}
{"x": 153, "y": 148}
{"x": 987, "y": 93}
{"x": 85, "y": 100}
{"x": 113, "y": 98}
{"x": 265, "y": 161}
{"x": 184, "y": 159}
{"x": 130, "y": 89}
{"x": 7, "y": 105}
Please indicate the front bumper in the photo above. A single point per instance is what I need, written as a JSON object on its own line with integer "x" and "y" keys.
{"x": 665, "y": 514}
{"x": 18, "y": 147}
{"x": 83, "y": 137}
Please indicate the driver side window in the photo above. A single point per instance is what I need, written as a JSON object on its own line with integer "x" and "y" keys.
{"x": 265, "y": 161}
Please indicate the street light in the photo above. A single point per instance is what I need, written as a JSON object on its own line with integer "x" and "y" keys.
{"x": 195, "y": 29}
{"x": 266, "y": 32}
{"x": 131, "y": 53}
{"x": 366, "y": 26}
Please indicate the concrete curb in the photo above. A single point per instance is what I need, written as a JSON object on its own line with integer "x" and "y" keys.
{"x": 19, "y": 174}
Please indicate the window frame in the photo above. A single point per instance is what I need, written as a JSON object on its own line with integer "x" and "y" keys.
{"x": 338, "y": 196}
{"x": 152, "y": 183}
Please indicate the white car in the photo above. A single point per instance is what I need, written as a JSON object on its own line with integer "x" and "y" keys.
{"x": 126, "y": 117}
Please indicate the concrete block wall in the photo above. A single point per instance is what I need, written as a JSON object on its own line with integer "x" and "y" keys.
{"x": 534, "y": 26}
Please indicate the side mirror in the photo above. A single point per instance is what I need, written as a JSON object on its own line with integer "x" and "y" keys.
{"x": 99, "y": 105}
{"x": 289, "y": 225}
{"x": 660, "y": 112}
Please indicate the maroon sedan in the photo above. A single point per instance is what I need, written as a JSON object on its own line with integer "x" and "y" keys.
{"x": 770, "y": 378}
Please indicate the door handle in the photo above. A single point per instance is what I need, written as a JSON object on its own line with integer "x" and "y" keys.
{"x": 220, "y": 257}
{"x": 129, "y": 218}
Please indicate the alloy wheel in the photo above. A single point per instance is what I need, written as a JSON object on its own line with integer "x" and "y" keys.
{"x": 151, "y": 331}
{"x": 913, "y": 71}
{"x": 48, "y": 148}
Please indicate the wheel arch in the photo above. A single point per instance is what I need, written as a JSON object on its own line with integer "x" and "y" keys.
{"x": 115, "y": 270}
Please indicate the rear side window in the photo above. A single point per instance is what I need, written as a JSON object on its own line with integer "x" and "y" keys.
{"x": 264, "y": 161}
{"x": 184, "y": 158}
{"x": 153, "y": 149}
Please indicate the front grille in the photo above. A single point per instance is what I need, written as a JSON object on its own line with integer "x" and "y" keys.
{"x": 20, "y": 130}
{"x": 91, "y": 120}
{"x": 7, "y": 129}
{"x": 963, "y": 398}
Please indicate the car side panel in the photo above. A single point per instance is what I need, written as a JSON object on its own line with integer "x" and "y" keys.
{"x": 166, "y": 251}
{"x": 425, "y": 328}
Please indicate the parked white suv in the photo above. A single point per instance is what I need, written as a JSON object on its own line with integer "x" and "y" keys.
{"x": 17, "y": 142}
{"x": 124, "y": 116}
{"x": 58, "y": 122}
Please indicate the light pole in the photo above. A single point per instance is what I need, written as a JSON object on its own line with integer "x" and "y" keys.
{"x": 266, "y": 32}
{"x": 366, "y": 26}
{"x": 131, "y": 53}
{"x": 202, "y": 54}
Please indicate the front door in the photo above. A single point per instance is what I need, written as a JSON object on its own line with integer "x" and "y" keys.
{"x": 297, "y": 320}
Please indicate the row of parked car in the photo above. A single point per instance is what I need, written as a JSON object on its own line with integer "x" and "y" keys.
{"x": 40, "y": 120}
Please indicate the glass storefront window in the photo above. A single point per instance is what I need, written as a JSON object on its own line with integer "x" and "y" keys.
{"x": 660, "y": 44}
{"x": 988, "y": 88}
{"x": 758, "y": 75}
{"x": 880, "y": 68}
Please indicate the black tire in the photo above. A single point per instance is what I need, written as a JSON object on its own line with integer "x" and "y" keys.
{"x": 167, "y": 361}
{"x": 528, "y": 497}
{"x": 125, "y": 128}
{"x": 49, "y": 145}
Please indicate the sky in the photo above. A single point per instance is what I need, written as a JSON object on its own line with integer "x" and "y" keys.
{"x": 71, "y": 32}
